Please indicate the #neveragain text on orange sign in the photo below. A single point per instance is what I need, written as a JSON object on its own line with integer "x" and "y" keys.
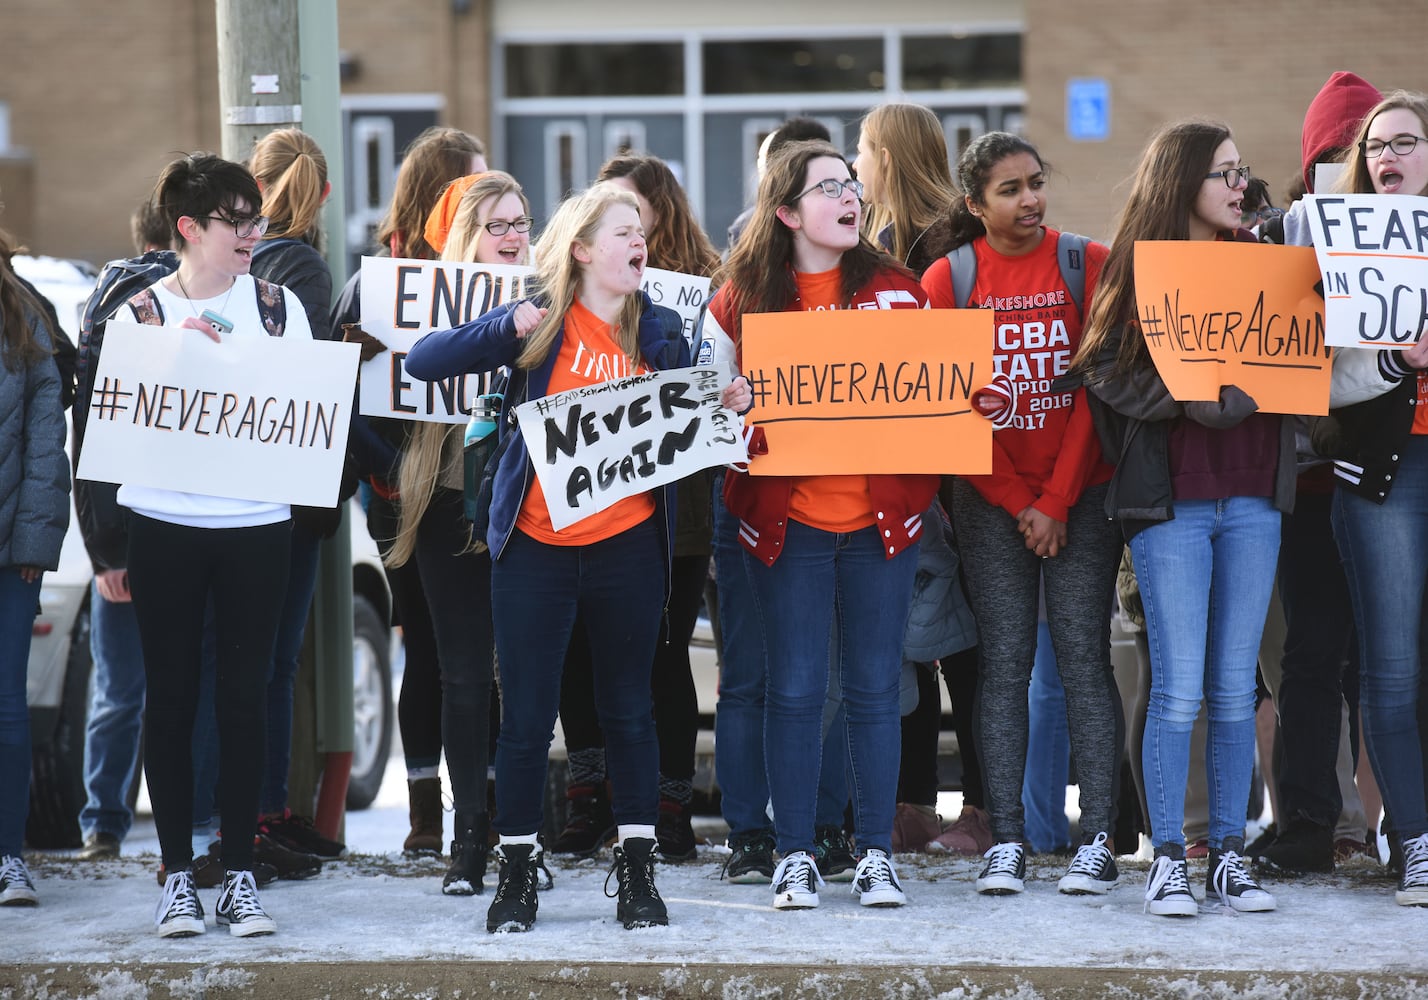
{"x": 1245, "y": 314}
{"x": 868, "y": 391}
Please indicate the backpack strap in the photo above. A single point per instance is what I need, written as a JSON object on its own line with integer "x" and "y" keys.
{"x": 1071, "y": 258}
{"x": 272, "y": 307}
{"x": 964, "y": 273}
{"x": 146, "y": 307}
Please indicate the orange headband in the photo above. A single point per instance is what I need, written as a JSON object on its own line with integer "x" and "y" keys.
{"x": 438, "y": 223}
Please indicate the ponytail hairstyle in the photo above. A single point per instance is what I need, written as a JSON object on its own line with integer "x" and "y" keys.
{"x": 1162, "y": 198}
{"x": 199, "y": 185}
{"x": 292, "y": 172}
{"x": 434, "y": 159}
{"x": 558, "y": 273}
{"x": 760, "y": 266}
{"x": 1356, "y": 178}
{"x": 428, "y": 443}
{"x": 915, "y": 181}
{"x": 974, "y": 173}
{"x": 18, "y": 308}
{"x": 677, "y": 243}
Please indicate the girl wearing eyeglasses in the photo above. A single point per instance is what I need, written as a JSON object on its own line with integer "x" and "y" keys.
{"x": 483, "y": 218}
{"x": 820, "y": 548}
{"x": 1036, "y": 523}
{"x": 1380, "y": 507}
{"x": 1198, "y": 490}
{"x": 188, "y": 552}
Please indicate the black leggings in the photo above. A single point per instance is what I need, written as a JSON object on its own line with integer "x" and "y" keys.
{"x": 676, "y": 705}
{"x": 917, "y": 780}
{"x": 173, "y": 572}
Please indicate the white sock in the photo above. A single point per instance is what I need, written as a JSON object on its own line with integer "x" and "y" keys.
{"x": 625, "y": 832}
{"x": 418, "y": 773}
{"x": 531, "y": 838}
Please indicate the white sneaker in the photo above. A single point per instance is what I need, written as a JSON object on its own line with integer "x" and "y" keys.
{"x": 1005, "y": 871}
{"x": 796, "y": 882}
{"x": 1092, "y": 871}
{"x": 1167, "y": 890}
{"x": 1413, "y": 886}
{"x": 875, "y": 881}
{"x": 180, "y": 914}
{"x": 238, "y": 907}
{"x": 16, "y": 888}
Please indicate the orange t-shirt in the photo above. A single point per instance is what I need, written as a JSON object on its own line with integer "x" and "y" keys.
{"x": 829, "y": 503}
{"x": 589, "y": 355}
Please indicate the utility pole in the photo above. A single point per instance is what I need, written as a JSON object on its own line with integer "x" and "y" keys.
{"x": 259, "y": 71}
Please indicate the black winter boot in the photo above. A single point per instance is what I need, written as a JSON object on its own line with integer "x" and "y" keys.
{"x": 468, "y": 855}
{"x": 515, "y": 905}
{"x": 640, "y": 904}
{"x": 589, "y": 823}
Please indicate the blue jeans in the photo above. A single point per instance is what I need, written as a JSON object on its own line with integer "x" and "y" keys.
{"x": 1205, "y": 578}
{"x": 618, "y": 588}
{"x": 18, "y": 601}
{"x": 1048, "y": 752}
{"x": 116, "y": 716}
{"x": 822, "y": 577}
{"x": 739, "y": 718}
{"x": 1385, "y": 554}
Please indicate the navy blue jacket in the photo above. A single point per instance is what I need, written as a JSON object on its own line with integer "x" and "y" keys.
{"x": 489, "y": 342}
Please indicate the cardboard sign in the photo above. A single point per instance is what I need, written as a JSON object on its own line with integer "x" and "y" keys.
{"x": 684, "y": 293}
{"x": 404, "y": 300}
{"x": 866, "y": 391}
{"x": 1244, "y": 314}
{"x": 1373, "y": 255}
{"x": 256, "y": 418}
{"x": 598, "y": 444}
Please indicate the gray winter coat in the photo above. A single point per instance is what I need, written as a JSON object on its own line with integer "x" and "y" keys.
{"x": 34, "y": 472}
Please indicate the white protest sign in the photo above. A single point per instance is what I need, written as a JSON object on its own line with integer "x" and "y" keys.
{"x": 404, "y": 300}
{"x": 1373, "y": 258}
{"x": 684, "y": 293}
{"x": 256, "y": 418}
{"x": 601, "y": 443}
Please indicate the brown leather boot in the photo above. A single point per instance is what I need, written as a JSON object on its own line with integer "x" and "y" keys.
{"x": 424, "y": 797}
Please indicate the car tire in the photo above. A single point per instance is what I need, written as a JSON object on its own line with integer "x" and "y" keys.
{"x": 57, "y": 791}
{"x": 372, "y": 707}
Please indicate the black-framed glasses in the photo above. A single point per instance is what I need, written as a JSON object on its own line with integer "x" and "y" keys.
{"x": 1401, "y": 145}
{"x": 832, "y": 188}
{"x": 243, "y": 228}
{"x": 1235, "y": 177}
{"x": 500, "y": 227}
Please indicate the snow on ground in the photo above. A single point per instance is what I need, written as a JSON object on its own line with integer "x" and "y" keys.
{"x": 378, "y": 906}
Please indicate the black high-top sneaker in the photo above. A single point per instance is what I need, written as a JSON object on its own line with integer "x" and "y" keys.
{"x": 640, "y": 904}
{"x": 468, "y": 855}
{"x": 1228, "y": 878}
{"x": 515, "y": 905}
{"x": 1167, "y": 888}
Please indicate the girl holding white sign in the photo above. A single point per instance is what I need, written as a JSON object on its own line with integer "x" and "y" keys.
{"x": 1198, "y": 489}
{"x": 820, "y": 549}
{"x": 592, "y": 324}
{"x": 1380, "y": 508}
{"x": 188, "y": 552}
{"x": 483, "y": 218}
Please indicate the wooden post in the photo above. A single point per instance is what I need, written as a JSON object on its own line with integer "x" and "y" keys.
{"x": 259, "y": 76}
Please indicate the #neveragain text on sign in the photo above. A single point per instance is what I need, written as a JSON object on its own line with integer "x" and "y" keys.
{"x": 598, "y": 444}
{"x": 256, "y": 418}
{"x": 1373, "y": 259}
{"x": 404, "y": 300}
{"x": 869, "y": 391}
{"x": 1246, "y": 314}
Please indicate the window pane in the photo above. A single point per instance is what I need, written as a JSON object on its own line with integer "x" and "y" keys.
{"x": 961, "y": 62}
{"x": 573, "y": 70}
{"x": 786, "y": 67}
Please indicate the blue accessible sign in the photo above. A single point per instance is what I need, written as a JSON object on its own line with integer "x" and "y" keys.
{"x": 1088, "y": 109}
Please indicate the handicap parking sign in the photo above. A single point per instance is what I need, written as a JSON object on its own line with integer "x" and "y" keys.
{"x": 1088, "y": 109}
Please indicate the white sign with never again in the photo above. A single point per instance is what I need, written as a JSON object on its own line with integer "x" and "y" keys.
{"x": 256, "y": 418}
{"x": 1373, "y": 259}
{"x": 404, "y": 300}
{"x": 599, "y": 444}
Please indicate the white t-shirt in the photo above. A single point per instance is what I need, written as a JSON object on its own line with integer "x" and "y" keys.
{"x": 239, "y": 304}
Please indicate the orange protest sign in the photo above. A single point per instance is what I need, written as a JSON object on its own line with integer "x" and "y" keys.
{"x": 1245, "y": 314}
{"x": 866, "y": 391}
